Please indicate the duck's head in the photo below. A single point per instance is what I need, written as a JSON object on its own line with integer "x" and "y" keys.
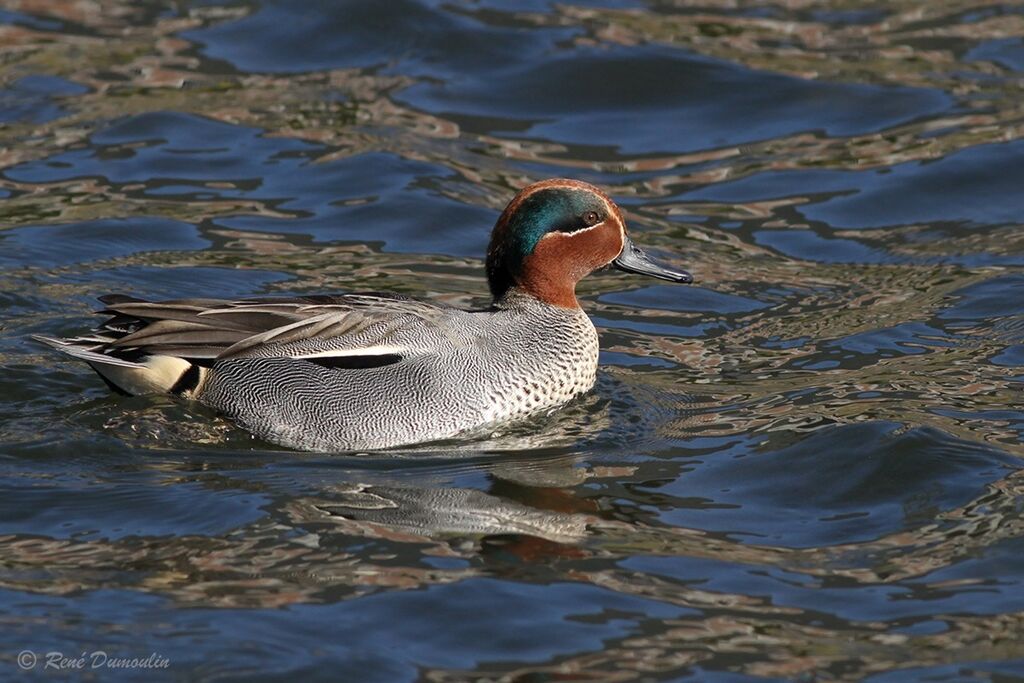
{"x": 556, "y": 232}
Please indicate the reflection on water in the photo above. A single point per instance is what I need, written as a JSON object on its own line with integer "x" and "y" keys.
{"x": 805, "y": 467}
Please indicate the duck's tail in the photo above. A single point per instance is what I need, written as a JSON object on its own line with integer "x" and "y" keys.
{"x": 146, "y": 374}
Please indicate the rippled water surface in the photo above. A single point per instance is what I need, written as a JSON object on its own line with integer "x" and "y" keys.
{"x": 807, "y": 466}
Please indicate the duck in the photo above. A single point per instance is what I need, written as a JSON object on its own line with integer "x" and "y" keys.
{"x": 373, "y": 371}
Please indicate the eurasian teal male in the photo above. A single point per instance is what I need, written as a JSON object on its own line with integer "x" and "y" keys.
{"x": 372, "y": 371}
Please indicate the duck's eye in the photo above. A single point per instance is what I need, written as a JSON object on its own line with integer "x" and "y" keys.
{"x": 591, "y": 218}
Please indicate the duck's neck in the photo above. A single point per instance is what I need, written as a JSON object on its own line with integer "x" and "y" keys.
{"x": 518, "y": 296}
{"x": 552, "y": 291}
{"x": 548, "y": 275}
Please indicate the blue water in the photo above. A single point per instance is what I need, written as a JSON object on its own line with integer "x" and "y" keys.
{"x": 804, "y": 467}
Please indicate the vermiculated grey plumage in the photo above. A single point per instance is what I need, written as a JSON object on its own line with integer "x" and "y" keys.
{"x": 412, "y": 371}
{"x": 458, "y": 371}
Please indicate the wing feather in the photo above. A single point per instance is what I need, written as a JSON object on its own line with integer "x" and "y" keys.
{"x": 328, "y": 328}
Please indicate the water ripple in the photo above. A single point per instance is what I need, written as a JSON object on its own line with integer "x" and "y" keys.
{"x": 806, "y": 467}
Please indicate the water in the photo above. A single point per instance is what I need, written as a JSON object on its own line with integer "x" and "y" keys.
{"x": 806, "y": 467}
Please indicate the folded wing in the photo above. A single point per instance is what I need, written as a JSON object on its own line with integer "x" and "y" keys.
{"x": 304, "y": 327}
{"x": 147, "y": 347}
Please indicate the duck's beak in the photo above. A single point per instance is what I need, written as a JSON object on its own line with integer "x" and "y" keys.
{"x": 633, "y": 260}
